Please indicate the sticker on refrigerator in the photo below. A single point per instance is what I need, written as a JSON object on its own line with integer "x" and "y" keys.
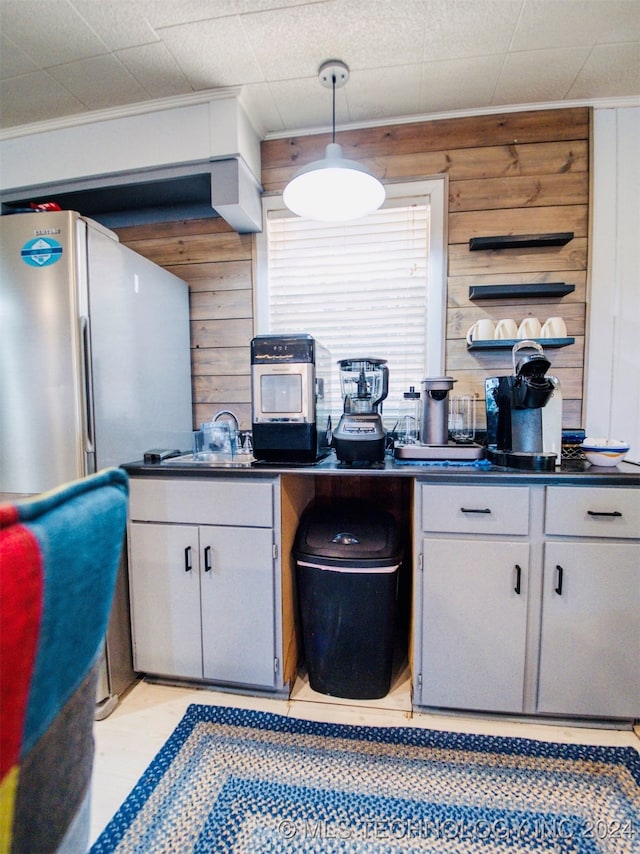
{"x": 41, "y": 252}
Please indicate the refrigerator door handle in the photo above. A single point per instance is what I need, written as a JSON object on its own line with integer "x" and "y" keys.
{"x": 87, "y": 383}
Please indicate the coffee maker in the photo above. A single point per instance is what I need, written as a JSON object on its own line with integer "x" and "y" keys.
{"x": 524, "y": 412}
{"x": 435, "y": 410}
{"x": 360, "y": 436}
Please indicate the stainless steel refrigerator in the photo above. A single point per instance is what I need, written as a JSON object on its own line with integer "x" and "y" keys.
{"x": 94, "y": 370}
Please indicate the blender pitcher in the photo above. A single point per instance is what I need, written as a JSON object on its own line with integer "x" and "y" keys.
{"x": 364, "y": 384}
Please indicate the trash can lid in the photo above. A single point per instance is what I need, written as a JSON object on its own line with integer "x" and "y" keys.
{"x": 350, "y": 532}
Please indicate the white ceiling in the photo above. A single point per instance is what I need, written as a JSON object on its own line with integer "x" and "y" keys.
{"x": 407, "y": 57}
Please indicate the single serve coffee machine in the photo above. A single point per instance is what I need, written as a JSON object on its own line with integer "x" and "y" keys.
{"x": 434, "y": 441}
{"x": 435, "y": 410}
{"x": 289, "y": 417}
{"x": 524, "y": 412}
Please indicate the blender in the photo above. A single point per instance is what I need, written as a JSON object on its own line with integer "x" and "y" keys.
{"x": 360, "y": 436}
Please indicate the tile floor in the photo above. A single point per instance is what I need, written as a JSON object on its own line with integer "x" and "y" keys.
{"x": 130, "y": 737}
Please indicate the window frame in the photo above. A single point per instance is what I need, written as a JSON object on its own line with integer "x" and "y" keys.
{"x": 435, "y": 189}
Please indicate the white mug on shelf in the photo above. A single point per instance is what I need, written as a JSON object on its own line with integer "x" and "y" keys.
{"x": 554, "y": 327}
{"x": 529, "y": 328}
{"x": 506, "y": 328}
{"x": 482, "y": 330}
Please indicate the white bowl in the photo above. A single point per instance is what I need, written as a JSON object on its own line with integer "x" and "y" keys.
{"x": 604, "y": 452}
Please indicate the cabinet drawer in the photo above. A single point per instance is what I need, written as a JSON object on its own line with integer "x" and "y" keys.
{"x": 219, "y": 501}
{"x": 475, "y": 509}
{"x": 593, "y": 511}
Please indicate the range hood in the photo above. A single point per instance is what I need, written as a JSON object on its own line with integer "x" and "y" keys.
{"x": 198, "y": 160}
{"x": 194, "y": 191}
{"x": 133, "y": 202}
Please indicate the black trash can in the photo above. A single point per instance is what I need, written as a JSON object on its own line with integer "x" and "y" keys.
{"x": 347, "y": 560}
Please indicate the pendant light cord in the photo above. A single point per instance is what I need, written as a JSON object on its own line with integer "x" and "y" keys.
{"x": 333, "y": 79}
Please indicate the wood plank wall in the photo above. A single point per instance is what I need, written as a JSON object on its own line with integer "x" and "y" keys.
{"x": 512, "y": 173}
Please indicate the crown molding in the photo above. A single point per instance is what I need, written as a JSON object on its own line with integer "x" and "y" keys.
{"x": 596, "y": 103}
{"x": 208, "y": 95}
{"x": 138, "y": 109}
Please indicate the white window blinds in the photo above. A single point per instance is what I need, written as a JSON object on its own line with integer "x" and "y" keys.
{"x": 360, "y": 288}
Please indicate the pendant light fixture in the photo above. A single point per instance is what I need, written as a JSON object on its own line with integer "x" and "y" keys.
{"x": 333, "y": 189}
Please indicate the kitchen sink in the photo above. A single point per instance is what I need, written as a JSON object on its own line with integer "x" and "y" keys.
{"x": 217, "y": 461}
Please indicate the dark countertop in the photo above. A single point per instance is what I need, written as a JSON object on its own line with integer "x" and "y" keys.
{"x": 572, "y": 472}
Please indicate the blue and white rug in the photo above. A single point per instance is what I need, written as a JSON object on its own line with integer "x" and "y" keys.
{"x": 229, "y": 780}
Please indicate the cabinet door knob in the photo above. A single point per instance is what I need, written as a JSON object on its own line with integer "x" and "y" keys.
{"x": 187, "y": 559}
{"x": 518, "y": 588}
{"x": 207, "y": 559}
{"x": 559, "y": 579}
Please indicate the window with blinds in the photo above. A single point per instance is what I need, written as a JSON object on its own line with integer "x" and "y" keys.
{"x": 361, "y": 288}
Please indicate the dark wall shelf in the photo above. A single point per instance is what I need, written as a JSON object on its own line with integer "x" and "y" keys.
{"x": 508, "y": 343}
{"x": 520, "y": 241}
{"x": 534, "y": 289}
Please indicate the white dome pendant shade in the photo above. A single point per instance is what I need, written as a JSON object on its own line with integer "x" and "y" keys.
{"x": 333, "y": 189}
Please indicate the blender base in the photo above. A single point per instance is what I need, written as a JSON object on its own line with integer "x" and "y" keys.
{"x": 360, "y": 438}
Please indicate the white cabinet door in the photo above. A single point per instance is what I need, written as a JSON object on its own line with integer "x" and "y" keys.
{"x": 238, "y": 607}
{"x": 474, "y": 615}
{"x": 590, "y": 649}
{"x": 165, "y": 599}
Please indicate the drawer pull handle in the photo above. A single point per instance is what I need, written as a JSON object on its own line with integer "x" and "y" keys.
{"x": 475, "y": 510}
{"x": 207, "y": 559}
{"x": 187, "y": 559}
{"x": 615, "y": 513}
{"x": 518, "y": 588}
{"x": 559, "y": 579}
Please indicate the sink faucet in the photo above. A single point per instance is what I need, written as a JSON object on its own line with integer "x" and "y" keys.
{"x": 230, "y": 415}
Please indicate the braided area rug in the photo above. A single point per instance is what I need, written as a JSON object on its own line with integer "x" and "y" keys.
{"x": 229, "y": 780}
